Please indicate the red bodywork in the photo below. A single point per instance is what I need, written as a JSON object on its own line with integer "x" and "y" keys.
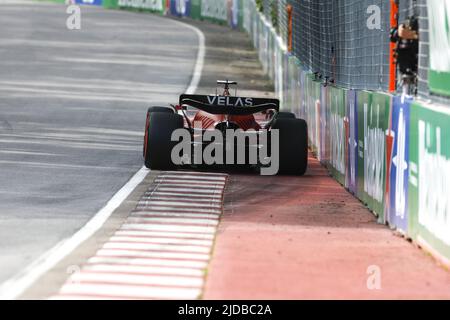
{"x": 209, "y": 121}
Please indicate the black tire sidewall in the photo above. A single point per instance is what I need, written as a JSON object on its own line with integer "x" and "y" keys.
{"x": 149, "y": 111}
{"x": 159, "y": 144}
{"x": 293, "y": 144}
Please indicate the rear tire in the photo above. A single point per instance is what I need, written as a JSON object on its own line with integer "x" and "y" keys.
{"x": 149, "y": 111}
{"x": 158, "y": 144}
{"x": 293, "y": 152}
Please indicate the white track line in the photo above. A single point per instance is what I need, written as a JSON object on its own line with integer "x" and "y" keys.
{"x": 77, "y": 297}
{"x": 129, "y": 279}
{"x": 133, "y": 292}
{"x": 148, "y": 214}
{"x": 199, "y": 173}
{"x": 197, "y": 74}
{"x": 152, "y": 254}
{"x": 191, "y": 178}
{"x": 171, "y": 235}
{"x": 196, "y": 186}
{"x": 171, "y": 220}
{"x": 179, "y": 204}
{"x": 162, "y": 240}
{"x": 166, "y": 198}
{"x": 149, "y": 262}
{"x": 157, "y": 208}
{"x": 188, "y": 190}
{"x": 145, "y": 270}
{"x": 17, "y": 285}
{"x": 183, "y": 194}
{"x": 208, "y": 183}
{"x": 168, "y": 228}
{"x": 156, "y": 247}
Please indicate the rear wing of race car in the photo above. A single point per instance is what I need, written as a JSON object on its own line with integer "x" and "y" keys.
{"x": 229, "y": 105}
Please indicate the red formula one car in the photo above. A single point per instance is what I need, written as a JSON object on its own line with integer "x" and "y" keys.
{"x": 220, "y": 130}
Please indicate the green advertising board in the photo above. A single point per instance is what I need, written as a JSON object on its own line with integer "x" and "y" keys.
{"x": 439, "y": 26}
{"x": 312, "y": 94}
{"x": 337, "y": 100}
{"x": 110, "y": 4}
{"x": 429, "y": 177}
{"x": 196, "y": 9}
{"x": 375, "y": 159}
{"x": 373, "y": 121}
{"x": 143, "y": 5}
{"x": 364, "y": 101}
{"x": 214, "y": 10}
{"x": 241, "y": 14}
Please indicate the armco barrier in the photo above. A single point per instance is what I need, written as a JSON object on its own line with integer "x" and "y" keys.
{"x": 337, "y": 133}
{"x": 289, "y": 78}
{"x": 324, "y": 139}
{"x": 312, "y": 95}
{"x": 351, "y": 141}
{"x": 292, "y": 100}
{"x": 364, "y": 100}
{"x": 429, "y": 178}
{"x": 397, "y": 168}
{"x": 375, "y": 127}
{"x": 390, "y": 152}
{"x": 375, "y": 152}
{"x": 373, "y": 115}
{"x": 301, "y": 113}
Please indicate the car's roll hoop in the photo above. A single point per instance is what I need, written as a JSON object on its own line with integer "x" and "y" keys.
{"x": 226, "y": 87}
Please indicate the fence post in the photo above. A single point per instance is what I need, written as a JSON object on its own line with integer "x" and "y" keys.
{"x": 289, "y": 14}
{"x": 392, "y": 47}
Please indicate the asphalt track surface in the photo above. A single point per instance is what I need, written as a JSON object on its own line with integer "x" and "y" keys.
{"x": 72, "y": 113}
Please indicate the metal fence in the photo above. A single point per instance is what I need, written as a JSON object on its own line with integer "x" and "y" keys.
{"x": 420, "y": 8}
{"x": 282, "y": 19}
{"x": 332, "y": 38}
